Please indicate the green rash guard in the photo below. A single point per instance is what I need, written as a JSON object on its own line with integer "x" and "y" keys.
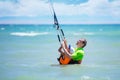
{"x": 78, "y": 54}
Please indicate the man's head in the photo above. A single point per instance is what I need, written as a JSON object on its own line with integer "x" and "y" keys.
{"x": 81, "y": 43}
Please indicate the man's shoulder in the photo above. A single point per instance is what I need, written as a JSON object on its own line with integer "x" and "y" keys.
{"x": 80, "y": 51}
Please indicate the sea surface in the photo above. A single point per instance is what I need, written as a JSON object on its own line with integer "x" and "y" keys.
{"x": 29, "y": 52}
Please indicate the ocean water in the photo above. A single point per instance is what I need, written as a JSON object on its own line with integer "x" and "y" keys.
{"x": 29, "y": 52}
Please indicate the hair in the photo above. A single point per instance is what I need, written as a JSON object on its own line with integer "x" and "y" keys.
{"x": 85, "y": 43}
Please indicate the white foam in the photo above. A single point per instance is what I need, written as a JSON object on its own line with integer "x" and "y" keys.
{"x": 83, "y": 33}
{"x": 89, "y": 33}
{"x": 100, "y": 29}
{"x": 28, "y": 33}
{"x": 76, "y": 34}
{"x": 85, "y": 78}
{"x": 2, "y": 28}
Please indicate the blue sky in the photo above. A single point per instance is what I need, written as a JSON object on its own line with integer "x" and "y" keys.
{"x": 68, "y": 11}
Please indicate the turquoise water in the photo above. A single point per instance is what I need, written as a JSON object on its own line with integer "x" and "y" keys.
{"x": 29, "y": 52}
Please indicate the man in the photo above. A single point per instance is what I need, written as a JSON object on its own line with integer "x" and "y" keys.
{"x": 77, "y": 56}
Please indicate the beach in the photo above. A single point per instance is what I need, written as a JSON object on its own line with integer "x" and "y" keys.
{"x": 30, "y": 52}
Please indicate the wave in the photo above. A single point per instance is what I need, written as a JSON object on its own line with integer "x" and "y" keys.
{"x": 85, "y": 77}
{"x": 28, "y": 33}
{"x": 2, "y": 28}
{"x": 83, "y": 33}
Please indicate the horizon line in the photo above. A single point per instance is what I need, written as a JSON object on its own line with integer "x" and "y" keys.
{"x": 59, "y": 24}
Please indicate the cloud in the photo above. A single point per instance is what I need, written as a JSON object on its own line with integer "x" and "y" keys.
{"x": 89, "y": 10}
{"x": 115, "y": 8}
{"x": 41, "y": 7}
{"x": 6, "y": 8}
{"x": 24, "y": 8}
{"x": 34, "y": 8}
{"x": 93, "y": 11}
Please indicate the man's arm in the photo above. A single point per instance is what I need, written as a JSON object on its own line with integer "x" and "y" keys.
{"x": 65, "y": 43}
{"x": 65, "y": 49}
{"x": 60, "y": 50}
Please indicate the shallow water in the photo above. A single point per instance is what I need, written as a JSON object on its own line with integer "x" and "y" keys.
{"x": 29, "y": 52}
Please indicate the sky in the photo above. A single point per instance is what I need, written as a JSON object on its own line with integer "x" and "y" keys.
{"x": 67, "y": 11}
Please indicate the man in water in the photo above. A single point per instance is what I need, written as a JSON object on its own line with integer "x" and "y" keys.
{"x": 77, "y": 56}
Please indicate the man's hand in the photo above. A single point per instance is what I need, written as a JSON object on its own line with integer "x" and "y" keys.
{"x": 65, "y": 41}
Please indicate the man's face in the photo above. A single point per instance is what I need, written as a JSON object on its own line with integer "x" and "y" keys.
{"x": 79, "y": 43}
